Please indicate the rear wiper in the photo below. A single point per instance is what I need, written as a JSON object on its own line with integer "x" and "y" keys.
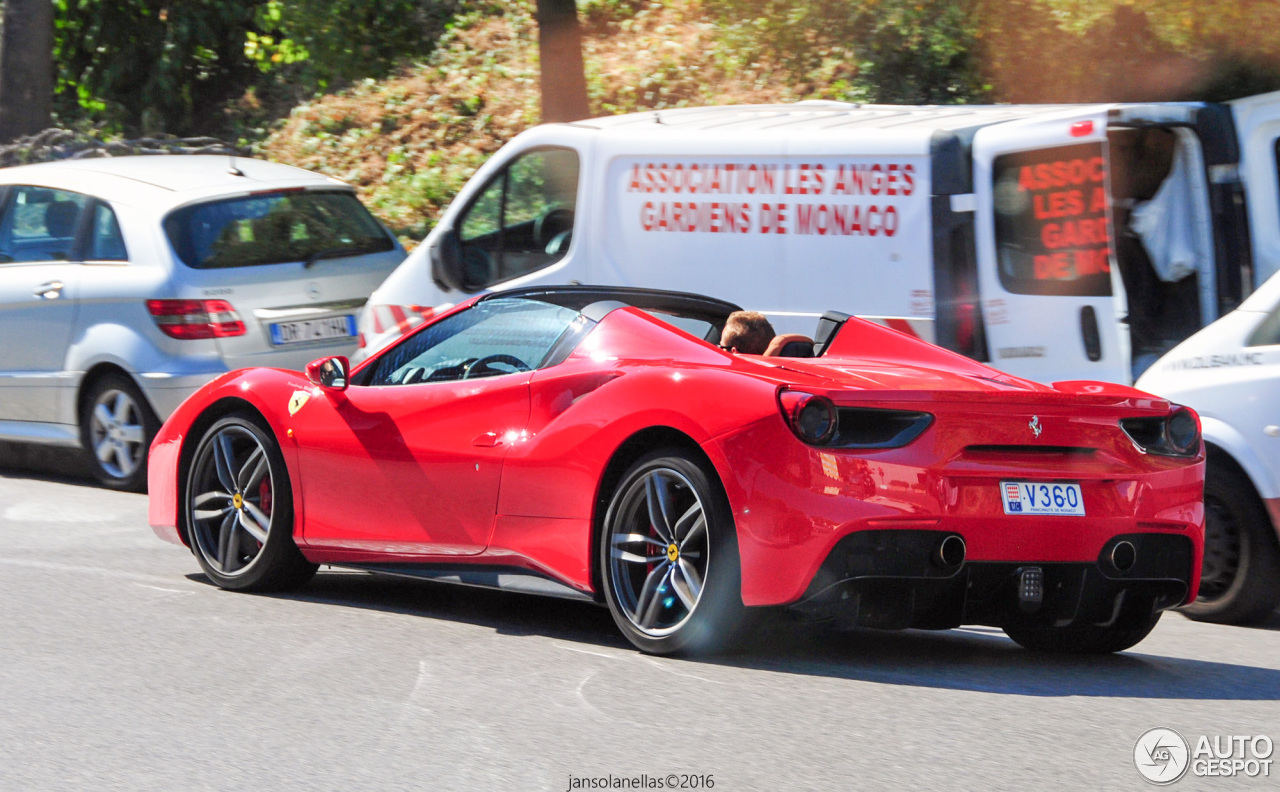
{"x": 328, "y": 253}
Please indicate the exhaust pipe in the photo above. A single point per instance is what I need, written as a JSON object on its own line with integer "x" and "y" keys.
{"x": 949, "y": 553}
{"x": 1123, "y": 556}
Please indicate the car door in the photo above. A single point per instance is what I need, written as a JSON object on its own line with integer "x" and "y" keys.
{"x": 407, "y": 461}
{"x": 39, "y": 280}
{"x": 1257, "y": 120}
{"x": 1052, "y": 300}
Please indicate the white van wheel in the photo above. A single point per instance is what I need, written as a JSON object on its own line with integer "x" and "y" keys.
{"x": 1241, "y": 554}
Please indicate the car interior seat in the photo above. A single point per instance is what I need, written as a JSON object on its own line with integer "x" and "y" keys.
{"x": 791, "y": 345}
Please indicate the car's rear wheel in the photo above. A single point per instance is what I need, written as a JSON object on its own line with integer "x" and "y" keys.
{"x": 239, "y": 509}
{"x": 1240, "y": 578}
{"x": 116, "y": 429}
{"x": 1082, "y": 638}
{"x": 669, "y": 557}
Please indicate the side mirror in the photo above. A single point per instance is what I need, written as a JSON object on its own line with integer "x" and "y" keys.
{"x": 446, "y": 262}
{"x": 329, "y": 373}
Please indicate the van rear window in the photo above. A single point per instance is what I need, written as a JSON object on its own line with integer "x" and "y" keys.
{"x": 1053, "y": 228}
{"x": 274, "y": 228}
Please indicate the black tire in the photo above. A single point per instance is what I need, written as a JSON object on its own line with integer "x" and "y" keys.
{"x": 1081, "y": 638}
{"x": 649, "y": 595}
{"x": 227, "y": 530}
{"x": 117, "y": 426}
{"x": 1240, "y": 583}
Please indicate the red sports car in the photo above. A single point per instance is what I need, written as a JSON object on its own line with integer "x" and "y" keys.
{"x": 596, "y": 443}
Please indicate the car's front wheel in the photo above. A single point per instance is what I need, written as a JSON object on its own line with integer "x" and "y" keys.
{"x": 1240, "y": 577}
{"x": 669, "y": 557}
{"x": 239, "y": 509}
{"x": 1082, "y": 638}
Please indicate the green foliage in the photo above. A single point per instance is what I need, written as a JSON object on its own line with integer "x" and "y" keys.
{"x": 903, "y": 51}
{"x": 143, "y": 65}
{"x": 328, "y": 41}
{"x": 156, "y": 65}
{"x": 1141, "y": 50}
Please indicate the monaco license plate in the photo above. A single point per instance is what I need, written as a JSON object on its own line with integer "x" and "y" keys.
{"x": 313, "y": 330}
{"x": 1036, "y": 497}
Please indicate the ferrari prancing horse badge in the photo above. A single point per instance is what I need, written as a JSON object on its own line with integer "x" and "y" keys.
{"x": 298, "y": 399}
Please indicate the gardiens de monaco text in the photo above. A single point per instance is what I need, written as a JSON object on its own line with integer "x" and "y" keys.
{"x": 729, "y": 198}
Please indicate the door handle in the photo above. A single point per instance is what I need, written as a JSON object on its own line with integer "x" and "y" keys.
{"x": 49, "y": 291}
{"x": 1090, "y": 333}
{"x": 487, "y": 440}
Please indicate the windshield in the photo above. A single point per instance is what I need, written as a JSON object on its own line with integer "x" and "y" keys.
{"x": 274, "y": 228}
{"x": 498, "y": 336}
{"x": 1053, "y": 232}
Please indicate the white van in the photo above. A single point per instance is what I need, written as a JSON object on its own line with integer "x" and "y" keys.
{"x": 1229, "y": 372}
{"x": 1054, "y": 242}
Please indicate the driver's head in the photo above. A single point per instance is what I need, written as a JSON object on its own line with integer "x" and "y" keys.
{"x": 746, "y": 332}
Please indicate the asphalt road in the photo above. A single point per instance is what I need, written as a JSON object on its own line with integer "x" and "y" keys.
{"x": 121, "y": 667}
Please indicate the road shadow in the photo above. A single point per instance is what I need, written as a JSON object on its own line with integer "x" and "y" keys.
{"x": 27, "y": 460}
{"x": 1272, "y": 622}
{"x": 979, "y": 659}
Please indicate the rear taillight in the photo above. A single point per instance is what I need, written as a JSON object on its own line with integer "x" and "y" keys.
{"x": 1177, "y": 434}
{"x": 813, "y": 418}
{"x": 1183, "y": 432}
{"x": 818, "y": 421}
{"x": 187, "y": 319}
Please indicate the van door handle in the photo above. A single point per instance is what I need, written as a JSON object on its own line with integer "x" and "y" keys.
{"x": 1090, "y": 333}
{"x": 49, "y": 291}
{"x": 487, "y": 440}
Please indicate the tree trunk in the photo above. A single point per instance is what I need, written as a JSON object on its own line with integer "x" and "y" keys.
{"x": 564, "y": 82}
{"x": 26, "y": 68}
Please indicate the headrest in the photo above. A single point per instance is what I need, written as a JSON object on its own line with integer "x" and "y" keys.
{"x": 60, "y": 218}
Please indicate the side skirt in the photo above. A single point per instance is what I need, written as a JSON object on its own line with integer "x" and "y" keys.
{"x": 515, "y": 579}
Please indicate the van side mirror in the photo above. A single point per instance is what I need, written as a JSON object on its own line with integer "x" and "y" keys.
{"x": 446, "y": 262}
{"x": 329, "y": 373}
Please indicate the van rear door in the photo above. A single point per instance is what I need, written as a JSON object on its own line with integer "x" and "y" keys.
{"x": 1052, "y": 301}
{"x": 1258, "y": 126}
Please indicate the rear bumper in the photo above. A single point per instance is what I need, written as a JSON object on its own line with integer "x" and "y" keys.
{"x": 793, "y": 505}
{"x": 166, "y": 391}
{"x": 894, "y": 580}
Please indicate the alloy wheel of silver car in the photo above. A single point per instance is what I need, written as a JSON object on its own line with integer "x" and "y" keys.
{"x": 117, "y": 433}
{"x": 659, "y": 552}
{"x": 231, "y": 500}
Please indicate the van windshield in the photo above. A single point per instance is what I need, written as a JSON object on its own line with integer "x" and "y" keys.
{"x": 274, "y": 228}
{"x": 1053, "y": 232}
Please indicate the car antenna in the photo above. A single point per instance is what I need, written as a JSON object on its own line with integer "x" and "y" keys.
{"x": 233, "y": 170}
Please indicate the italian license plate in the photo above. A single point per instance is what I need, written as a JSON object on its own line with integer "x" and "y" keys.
{"x": 1034, "y": 497}
{"x": 313, "y": 330}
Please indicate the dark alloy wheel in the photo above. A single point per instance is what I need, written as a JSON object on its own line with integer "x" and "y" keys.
{"x": 669, "y": 557}
{"x": 1082, "y": 638}
{"x": 1239, "y": 579}
{"x": 239, "y": 510}
{"x": 116, "y": 429}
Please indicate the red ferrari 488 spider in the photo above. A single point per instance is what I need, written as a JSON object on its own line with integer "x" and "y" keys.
{"x": 596, "y": 443}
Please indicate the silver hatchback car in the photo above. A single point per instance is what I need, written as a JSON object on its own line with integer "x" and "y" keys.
{"x": 127, "y": 283}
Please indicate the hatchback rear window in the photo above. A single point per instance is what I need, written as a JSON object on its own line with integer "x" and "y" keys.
{"x": 274, "y": 228}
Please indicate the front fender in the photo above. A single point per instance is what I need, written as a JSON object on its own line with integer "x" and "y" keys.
{"x": 266, "y": 391}
{"x": 1228, "y": 439}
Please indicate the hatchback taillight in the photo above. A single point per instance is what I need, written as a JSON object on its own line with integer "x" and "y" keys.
{"x": 188, "y": 319}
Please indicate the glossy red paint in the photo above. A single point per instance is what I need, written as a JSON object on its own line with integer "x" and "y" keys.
{"x": 509, "y": 469}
